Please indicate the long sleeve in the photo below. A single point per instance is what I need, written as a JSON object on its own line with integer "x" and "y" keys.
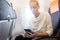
{"x": 49, "y": 26}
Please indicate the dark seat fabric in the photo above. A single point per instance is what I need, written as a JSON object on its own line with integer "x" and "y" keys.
{"x": 55, "y": 21}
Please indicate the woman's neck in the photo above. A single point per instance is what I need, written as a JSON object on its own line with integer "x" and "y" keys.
{"x": 37, "y": 14}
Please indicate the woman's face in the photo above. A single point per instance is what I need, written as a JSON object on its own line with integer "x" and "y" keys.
{"x": 34, "y": 7}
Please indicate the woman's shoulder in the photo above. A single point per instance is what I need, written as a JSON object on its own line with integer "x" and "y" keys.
{"x": 45, "y": 13}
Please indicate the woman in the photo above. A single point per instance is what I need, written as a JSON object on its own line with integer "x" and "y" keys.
{"x": 41, "y": 23}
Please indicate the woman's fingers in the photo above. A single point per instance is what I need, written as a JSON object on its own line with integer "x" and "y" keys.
{"x": 26, "y": 34}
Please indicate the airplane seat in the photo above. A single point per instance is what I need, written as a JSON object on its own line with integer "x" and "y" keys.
{"x": 7, "y": 19}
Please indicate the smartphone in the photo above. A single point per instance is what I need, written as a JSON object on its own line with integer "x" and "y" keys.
{"x": 28, "y": 30}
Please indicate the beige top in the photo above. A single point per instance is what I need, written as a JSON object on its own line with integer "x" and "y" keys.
{"x": 42, "y": 23}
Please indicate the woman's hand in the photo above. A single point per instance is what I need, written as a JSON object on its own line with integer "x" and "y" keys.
{"x": 35, "y": 34}
{"x": 27, "y": 34}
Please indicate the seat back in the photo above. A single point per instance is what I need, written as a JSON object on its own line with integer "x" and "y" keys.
{"x": 55, "y": 19}
{"x": 6, "y": 26}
